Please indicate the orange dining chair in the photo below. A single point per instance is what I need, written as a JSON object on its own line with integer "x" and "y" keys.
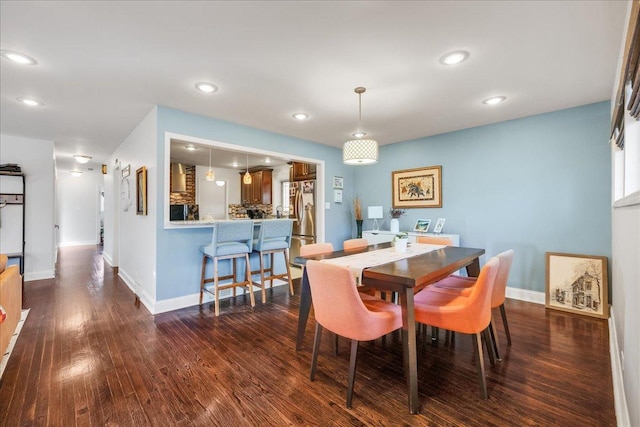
{"x": 467, "y": 315}
{"x": 354, "y": 244}
{"x": 462, "y": 286}
{"x": 433, "y": 240}
{"x": 339, "y": 308}
{"x": 316, "y": 249}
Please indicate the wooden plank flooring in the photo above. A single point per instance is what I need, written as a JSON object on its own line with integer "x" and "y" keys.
{"x": 87, "y": 356}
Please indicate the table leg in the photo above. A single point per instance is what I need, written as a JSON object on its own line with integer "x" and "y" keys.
{"x": 409, "y": 349}
{"x": 473, "y": 269}
{"x": 305, "y": 308}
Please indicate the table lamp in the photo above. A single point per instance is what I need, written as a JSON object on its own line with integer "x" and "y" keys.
{"x": 375, "y": 213}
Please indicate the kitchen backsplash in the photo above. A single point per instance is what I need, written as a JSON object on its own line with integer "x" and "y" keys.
{"x": 189, "y": 197}
{"x": 243, "y": 211}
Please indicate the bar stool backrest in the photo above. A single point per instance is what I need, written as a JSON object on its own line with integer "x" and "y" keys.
{"x": 277, "y": 229}
{"x": 225, "y": 232}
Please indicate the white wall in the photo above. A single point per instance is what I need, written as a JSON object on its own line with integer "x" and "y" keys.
{"x": 35, "y": 157}
{"x": 78, "y": 208}
{"x": 130, "y": 239}
{"x": 280, "y": 175}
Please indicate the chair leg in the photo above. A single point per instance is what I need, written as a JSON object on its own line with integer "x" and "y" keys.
{"x": 477, "y": 348}
{"x": 251, "y": 297}
{"x": 202, "y": 284}
{"x": 335, "y": 344}
{"x": 316, "y": 347}
{"x": 286, "y": 263}
{"x": 494, "y": 338}
{"x": 352, "y": 371}
{"x": 216, "y": 290}
{"x": 504, "y": 322}
{"x": 262, "y": 286}
{"x": 434, "y": 333}
{"x": 271, "y": 270}
{"x": 489, "y": 345}
{"x": 234, "y": 264}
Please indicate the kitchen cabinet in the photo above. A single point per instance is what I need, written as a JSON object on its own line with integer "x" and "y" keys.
{"x": 303, "y": 171}
{"x": 259, "y": 191}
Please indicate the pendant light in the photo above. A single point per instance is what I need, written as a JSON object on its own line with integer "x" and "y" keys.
{"x": 360, "y": 151}
{"x": 210, "y": 176}
{"x": 246, "y": 179}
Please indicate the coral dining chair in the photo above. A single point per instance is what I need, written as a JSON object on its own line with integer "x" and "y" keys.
{"x": 433, "y": 240}
{"x": 339, "y": 308}
{"x": 462, "y": 286}
{"x": 354, "y": 244}
{"x": 467, "y": 315}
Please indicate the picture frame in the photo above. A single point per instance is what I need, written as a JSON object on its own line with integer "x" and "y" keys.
{"x": 126, "y": 171}
{"x": 439, "y": 225}
{"x": 577, "y": 284}
{"x": 337, "y": 196}
{"x": 141, "y": 191}
{"x": 422, "y": 225}
{"x": 417, "y": 188}
{"x": 338, "y": 182}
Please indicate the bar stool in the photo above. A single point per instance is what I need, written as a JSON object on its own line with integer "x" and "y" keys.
{"x": 230, "y": 240}
{"x": 274, "y": 237}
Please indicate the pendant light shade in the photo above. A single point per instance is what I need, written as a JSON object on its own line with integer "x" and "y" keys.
{"x": 246, "y": 179}
{"x": 360, "y": 151}
{"x": 210, "y": 176}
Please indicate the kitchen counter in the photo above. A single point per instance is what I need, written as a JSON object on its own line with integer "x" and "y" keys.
{"x": 202, "y": 223}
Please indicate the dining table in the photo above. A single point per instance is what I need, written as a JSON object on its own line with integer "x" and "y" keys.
{"x": 406, "y": 276}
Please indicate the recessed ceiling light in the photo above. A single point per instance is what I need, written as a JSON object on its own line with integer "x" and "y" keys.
{"x": 206, "y": 87}
{"x": 300, "y": 116}
{"x": 494, "y": 100}
{"x": 191, "y": 148}
{"x": 18, "y": 57}
{"x": 234, "y": 164}
{"x": 359, "y": 134}
{"x": 30, "y": 102}
{"x": 267, "y": 160}
{"x": 82, "y": 159}
{"x": 76, "y": 173}
{"x": 453, "y": 58}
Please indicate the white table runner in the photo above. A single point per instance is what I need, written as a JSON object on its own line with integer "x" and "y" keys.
{"x": 358, "y": 262}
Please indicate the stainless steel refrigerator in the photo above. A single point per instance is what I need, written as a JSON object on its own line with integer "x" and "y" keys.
{"x": 303, "y": 207}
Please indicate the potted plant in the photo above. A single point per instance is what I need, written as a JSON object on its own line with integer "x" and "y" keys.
{"x": 394, "y": 224}
{"x": 400, "y": 241}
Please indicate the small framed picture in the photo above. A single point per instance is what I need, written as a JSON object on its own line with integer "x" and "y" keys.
{"x": 338, "y": 182}
{"x": 337, "y": 196}
{"x": 126, "y": 171}
{"x": 422, "y": 225}
{"x": 141, "y": 191}
{"x": 439, "y": 225}
{"x": 577, "y": 284}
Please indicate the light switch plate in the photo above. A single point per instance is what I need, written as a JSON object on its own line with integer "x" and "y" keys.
{"x": 327, "y": 205}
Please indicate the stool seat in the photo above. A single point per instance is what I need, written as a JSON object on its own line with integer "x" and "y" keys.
{"x": 230, "y": 240}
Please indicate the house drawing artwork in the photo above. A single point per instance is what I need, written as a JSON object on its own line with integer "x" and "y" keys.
{"x": 582, "y": 294}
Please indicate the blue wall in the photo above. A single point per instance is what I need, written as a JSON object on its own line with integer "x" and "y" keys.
{"x": 538, "y": 184}
{"x": 178, "y": 256}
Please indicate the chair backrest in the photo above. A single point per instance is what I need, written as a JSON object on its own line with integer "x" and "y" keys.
{"x": 500, "y": 286}
{"x": 232, "y": 231}
{"x": 316, "y": 249}
{"x": 477, "y": 313}
{"x": 435, "y": 240}
{"x": 277, "y": 229}
{"x": 338, "y": 306}
{"x": 352, "y": 244}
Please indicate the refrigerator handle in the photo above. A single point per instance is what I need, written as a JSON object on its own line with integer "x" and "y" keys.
{"x": 299, "y": 206}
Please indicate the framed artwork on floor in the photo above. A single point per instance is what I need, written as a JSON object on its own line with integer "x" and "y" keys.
{"x": 577, "y": 284}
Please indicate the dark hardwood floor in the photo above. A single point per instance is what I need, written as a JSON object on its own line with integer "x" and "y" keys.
{"x": 88, "y": 356}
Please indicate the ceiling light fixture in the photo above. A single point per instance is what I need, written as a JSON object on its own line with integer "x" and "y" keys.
{"x": 191, "y": 148}
{"x": 30, "y": 102}
{"x": 360, "y": 151}
{"x": 453, "y": 58}
{"x": 210, "y": 176}
{"x": 220, "y": 183}
{"x": 494, "y": 100}
{"x": 246, "y": 179}
{"x": 300, "y": 116}
{"x": 358, "y": 134}
{"x": 235, "y": 164}
{"x": 75, "y": 173}
{"x": 18, "y": 57}
{"x": 267, "y": 160}
{"x": 206, "y": 87}
{"x": 82, "y": 159}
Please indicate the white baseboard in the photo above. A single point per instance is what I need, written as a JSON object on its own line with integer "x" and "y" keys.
{"x": 108, "y": 259}
{"x": 619, "y": 397}
{"x": 525, "y": 295}
{"x": 39, "y": 275}
{"x": 131, "y": 284}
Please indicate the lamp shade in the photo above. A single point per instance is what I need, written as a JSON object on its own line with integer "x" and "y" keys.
{"x": 360, "y": 152}
{"x": 375, "y": 212}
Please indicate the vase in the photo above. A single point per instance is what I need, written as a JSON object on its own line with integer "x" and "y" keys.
{"x": 394, "y": 225}
{"x": 401, "y": 245}
{"x": 359, "y": 225}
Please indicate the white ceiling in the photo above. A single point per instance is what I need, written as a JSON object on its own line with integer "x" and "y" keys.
{"x": 102, "y": 66}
